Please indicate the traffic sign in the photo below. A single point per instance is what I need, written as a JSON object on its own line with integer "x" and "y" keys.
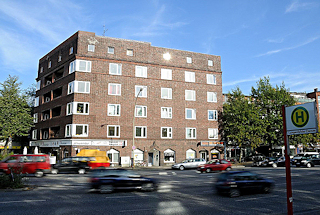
{"x": 302, "y": 119}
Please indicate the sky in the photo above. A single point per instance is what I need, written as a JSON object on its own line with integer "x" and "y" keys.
{"x": 255, "y": 38}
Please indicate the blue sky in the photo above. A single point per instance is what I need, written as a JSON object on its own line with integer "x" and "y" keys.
{"x": 255, "y": 38}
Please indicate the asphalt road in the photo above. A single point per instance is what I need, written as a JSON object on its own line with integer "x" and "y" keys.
{"x": 180, "y": 192}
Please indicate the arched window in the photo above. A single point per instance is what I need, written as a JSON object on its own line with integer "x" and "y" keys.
{"x": 190, "y": 153}
{"x": 169, "y": 156}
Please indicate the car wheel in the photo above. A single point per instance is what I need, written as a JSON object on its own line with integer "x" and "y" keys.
{"x": 181, "y": 167}
{"x": 81, "y": 171}
{"x": 54, "y": 171}
{"x": 107, "y": 188}
{"x": 228, "y": 169}
{"x": 266, "y": 189}
{"x": 234, "y": 193}
{"x": 297, "y": 165}
{"x": 309, "y": 165}
{"x": 208, "y": 170}
{"x": 274, "y": 165}
{"x": 148, "y": 187}
{"x": 38, "y": 174}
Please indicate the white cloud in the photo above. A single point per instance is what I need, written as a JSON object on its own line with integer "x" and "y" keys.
{"x": 296, "y": 6}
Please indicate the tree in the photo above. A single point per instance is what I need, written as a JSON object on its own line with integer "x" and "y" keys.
{"x": 241, "y": 121}
{"x": 269, "y": 101}
{"x": 15, "y": 113}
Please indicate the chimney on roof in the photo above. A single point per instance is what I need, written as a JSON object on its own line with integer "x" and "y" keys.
{"x": 315, "y": 89}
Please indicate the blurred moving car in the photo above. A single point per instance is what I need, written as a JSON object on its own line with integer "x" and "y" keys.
{"x": 97, "y": 158}
{"x": 281, "y": 162}
{"x": 109, "y": 180}
{"x": 215, "y": 165}
{"x": 267, "y": 161}
{"x": 189, "y": 164}
{"x": 236, "y": 183}
{"x": 37, "y": 164}
{"x": 72, "y": 165}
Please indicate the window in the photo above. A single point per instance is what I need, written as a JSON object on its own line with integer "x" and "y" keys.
{"x": 45, "y": 135}
{"x": 130, "y": 52}
{"x": 166, "y": 93}
{"x": 166, "y": 132}
{"x": 41, "y": 69}
{"x": 141, "y": 91}
{"x": 38, "y": 85}
{"x": 141, "y": 132}
{"x": 71, "y": 50}
{"x": 113, "y": 131}
{"x": 141, "y": 111}
{"x": 212, "y": 115}
{"x": 59, "y": 58}
{"x": 189, "y": 60}
{"x": 169, "y": 156}
{"x": 49, "y": 64}
{"x": 34, "y": 134}
{"x": 141, "y": 71}
{"x": 36, "y": 102}
{"x": 80, "y": 66}
{"x": 115, "y": 69}
{"x": 78, "y": 130}
{"x": 210, "y": 63}
{"x": 211, "y": 79}
{"x": 114, "y": 89}
{"x": 212, "y": 133}
{"x": 190, "y": 153}
{"x": 211, "y": 97}
{"x": 189, "y": 76}
{"x": 91, "y": 48}
{"x": 191, "y": 133}
{"x": 190, "y": 95}
{"x": 79, "y": 87}
{"x": 113, "y": 109}
{"x": 166, "y": 112}
{"x": 166, "y": 74}
{"x": 35, "y": 118}
{"x": 78, "y": 108}
{"x": 111, "y": 50}
{"x": 190, "y": 113}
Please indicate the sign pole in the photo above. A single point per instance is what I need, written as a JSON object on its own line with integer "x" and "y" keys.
{"x": 287, "y": 162}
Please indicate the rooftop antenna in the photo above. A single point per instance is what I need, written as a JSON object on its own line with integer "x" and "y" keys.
{"x": 104, "y": 30}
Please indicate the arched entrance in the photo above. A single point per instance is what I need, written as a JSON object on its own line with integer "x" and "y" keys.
{"x": 114, "y": 157}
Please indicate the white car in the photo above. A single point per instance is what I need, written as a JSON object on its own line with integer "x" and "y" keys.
{"x": 192, "y": 163}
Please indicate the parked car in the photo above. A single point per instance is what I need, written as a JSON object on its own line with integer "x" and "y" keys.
{"x": 302, "y": 159}
{"x": 236, "y": 183}
{"x": 189, "y": 164}
{"x": 215, "y": 165}
{"x": 281, "y": 162}
{"x": 37, "y": 164}
{"x": 267, "y": 161}
{"x": 308, "y": 161}
{"x": 108, "y": 180}
{"x": 72, "y": 165}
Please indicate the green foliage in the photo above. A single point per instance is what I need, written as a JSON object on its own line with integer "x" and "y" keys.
{"x": 14, "y": 180}
{"x": 3, "y": 156}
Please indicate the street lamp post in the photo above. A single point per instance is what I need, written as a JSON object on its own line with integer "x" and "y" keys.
{"x": 133, "y": 134}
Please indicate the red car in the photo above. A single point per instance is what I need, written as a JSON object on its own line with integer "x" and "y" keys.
{"x": 37, "y": 164}
{"x": 215, "y": 165}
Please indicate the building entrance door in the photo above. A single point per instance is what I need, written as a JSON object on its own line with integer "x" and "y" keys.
{"x": 150, "y": 159}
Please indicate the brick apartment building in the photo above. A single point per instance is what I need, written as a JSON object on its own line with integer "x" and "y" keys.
{"x": 117, "y": 95}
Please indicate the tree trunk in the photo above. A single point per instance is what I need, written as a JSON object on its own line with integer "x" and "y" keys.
{"x": 5, "y": 151}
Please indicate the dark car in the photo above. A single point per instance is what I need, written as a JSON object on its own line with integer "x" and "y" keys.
{"x": 107, "y": 180}
{"x": 236, "y": 183}
{"x": 281, "y": 162}
{"x": 267, "y": 161}
{"x": 215, "y": 165}
{"x": 72, "y": 165}
{"x": 308, "y": 161}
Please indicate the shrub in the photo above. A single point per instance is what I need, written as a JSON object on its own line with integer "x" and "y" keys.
{"x": 13, "y": 180}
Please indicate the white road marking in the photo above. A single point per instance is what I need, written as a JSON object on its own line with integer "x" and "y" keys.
{"x": 250, "y": 199}
{"x": 22, "y": 201}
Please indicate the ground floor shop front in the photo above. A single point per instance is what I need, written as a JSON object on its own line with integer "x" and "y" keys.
{"x": 142, "y": 153}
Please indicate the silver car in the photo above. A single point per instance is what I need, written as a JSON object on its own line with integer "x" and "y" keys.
{"x": 192, "y": 163}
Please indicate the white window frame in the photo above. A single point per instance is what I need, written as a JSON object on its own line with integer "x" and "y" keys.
{"x": 193, "y": 113}
{"x": 49, "y": 64}
{"x": 34, "y": 134}
{"x": 192, "y": 93}
{"x": 143, "y": 93}
{"x": 143, "y": 111}
{"x": 91, "y": 48}
{"x": 35, "y": 117}
{"x": 110, "y": 50}
{"x": 190, "y": 154}
{"x": 116, "y": 109}
{"x": 143, "y": 131}
{"x": 211, "y": 79}
{"x": 72, "y": 108}
{"x": 173, "y": 160}
{"x": 141, "y": 71}
{"x": 73, "y": 87}
{"x": 166, "y": 93}
{"x": 36, "y": 101}
{"x": 215, "y": 115}
{"x": 73, "y": 130}
{"x": 116, "y": 130}
{"x": 189, "y": 60}
{"x": 41, "y": 69}
{"x": 71, "y": 50}
{"x": 45, "y": 135}
{"x": 117, "y": 87}
{"x": 193, "y": 133}
{"x": 74, "y": 66}
{"x": 38, "y": 85}
{"x": 210, "y": 63}
{"x": 118, "y": 69}
{"x": 190, "y": 76}
{"x": 166, "y": 74}
{"x": 130, "y": 52}
{"x": 166, "y": 112}
{"x": 68, "y": 131}
{"x": 214, "y": 132}
{"x": 169, "y": 133}
{"x": 59, "y": 58}
{"x": 211, "y": 96}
